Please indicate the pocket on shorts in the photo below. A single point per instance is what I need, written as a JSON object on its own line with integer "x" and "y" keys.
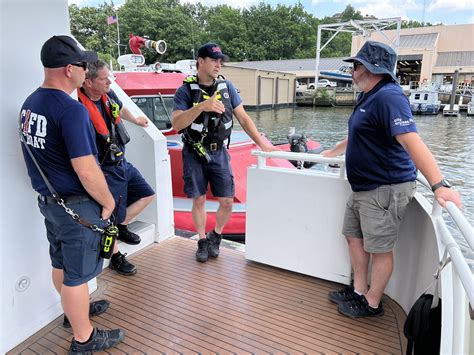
{"x": 376, "y": 221}
{"x": 91, "y": 252}
{"x": 402, "y": 205}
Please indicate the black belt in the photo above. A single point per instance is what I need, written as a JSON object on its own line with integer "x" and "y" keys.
{"x": 67, "y": 200}
{"x": 210, "y": 147}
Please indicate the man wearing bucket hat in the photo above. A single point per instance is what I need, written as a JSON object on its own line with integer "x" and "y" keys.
{"x": 58, "y": 133}
{"x": 204, "y": 107}
{"x": 383, "y": 152}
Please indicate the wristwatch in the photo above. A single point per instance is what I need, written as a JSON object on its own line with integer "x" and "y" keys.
{"x": 444, "y": 183}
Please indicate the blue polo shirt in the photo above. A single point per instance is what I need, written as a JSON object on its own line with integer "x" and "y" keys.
{"x": 373, "y": 155}
{"x": 57, "y": 129}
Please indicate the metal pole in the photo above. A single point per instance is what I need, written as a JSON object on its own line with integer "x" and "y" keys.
{"x": 118, "y": 36}
{"x": 453, "y": 90}
{"x": 318, "y": 50}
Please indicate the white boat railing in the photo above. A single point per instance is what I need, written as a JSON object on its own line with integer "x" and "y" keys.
{"x": 452, "y": 246}
{"x": 314, "y": 158}
{"x": 460, "y": 264}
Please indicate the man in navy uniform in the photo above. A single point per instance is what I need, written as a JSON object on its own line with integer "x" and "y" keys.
{"x": 60, "y": 136}
{"x": 203, "y": 112}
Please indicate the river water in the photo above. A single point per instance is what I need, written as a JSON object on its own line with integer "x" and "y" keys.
{"x": 451, "y": 140}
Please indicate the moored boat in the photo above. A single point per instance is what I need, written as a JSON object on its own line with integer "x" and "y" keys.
{"x": 424, "y": 100}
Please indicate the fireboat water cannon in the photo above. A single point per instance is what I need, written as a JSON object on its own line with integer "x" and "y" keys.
{"x": 137, "y": 42}
{"x": 136, "y": 61}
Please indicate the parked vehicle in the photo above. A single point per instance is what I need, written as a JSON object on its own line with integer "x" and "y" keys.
{"x": 323, "y": 83}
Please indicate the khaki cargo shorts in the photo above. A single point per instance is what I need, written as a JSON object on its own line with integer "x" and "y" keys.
{"x": 375, "y": 215}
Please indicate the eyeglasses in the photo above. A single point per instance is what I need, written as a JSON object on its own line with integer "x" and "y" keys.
{"x": 82, "y": 65}
{"x": 355, "y": 65}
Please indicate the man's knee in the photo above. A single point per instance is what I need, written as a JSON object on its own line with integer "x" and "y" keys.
{"x": 354, "y": 241}
{"x": 199, "y": 201}
{"x": 226, "y": 202}
{"x": 147, "y": 200}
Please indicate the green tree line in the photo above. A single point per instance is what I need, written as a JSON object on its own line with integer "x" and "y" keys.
{"x": 261, "y": 32}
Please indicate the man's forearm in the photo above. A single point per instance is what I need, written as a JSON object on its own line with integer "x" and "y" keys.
{"x": 182, "y": 119}
{"x": 421, "y": 156}
{"x": 248, "y": 125}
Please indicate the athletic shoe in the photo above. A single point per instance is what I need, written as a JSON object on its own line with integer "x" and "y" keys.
{"x": 202, "y": 254}
{"x": 214, "y": 243}
{"x": 360, "y": 308}
{"x": 101, "y": 340}
{"x": 119, "y": 263}
{"x": 95, "y": 308}
{"x": 345, "y": 295}
{"x": 126, "y": 236}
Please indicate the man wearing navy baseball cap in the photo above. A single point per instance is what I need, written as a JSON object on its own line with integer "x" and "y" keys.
{"x": 212, "y": 50}
{"x": 60, "y": 139}
{"x": 383, "y": 152}
{"x": 203, "y": 113}
{"x": 59, "y": 51}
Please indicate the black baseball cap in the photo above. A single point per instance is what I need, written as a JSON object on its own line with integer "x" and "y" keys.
{"x": 59, "y": 51}
{"x": 377, "y": 57}
{"x": 212, "y": 50}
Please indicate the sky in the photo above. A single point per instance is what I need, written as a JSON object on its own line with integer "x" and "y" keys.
{"x": 448, "y": 12}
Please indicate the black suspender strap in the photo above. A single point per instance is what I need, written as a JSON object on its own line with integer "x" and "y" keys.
{"x": 51, "y": 189}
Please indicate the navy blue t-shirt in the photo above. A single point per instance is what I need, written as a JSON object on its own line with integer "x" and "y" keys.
{"x": 57, "y": 129}
{"x": 373, "y": 155}
{"x": 183, "y": 100}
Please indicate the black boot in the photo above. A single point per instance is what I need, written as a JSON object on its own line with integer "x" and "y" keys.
{"x": 214, "y": 243}
{"x": 126, "y": 236}
{"x": 202, "y": 253}
{"x": 119, "y": 263}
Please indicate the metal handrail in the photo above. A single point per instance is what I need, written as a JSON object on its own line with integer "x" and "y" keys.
{"x": 314, "y": 158}
{"x": 459, "y": 219}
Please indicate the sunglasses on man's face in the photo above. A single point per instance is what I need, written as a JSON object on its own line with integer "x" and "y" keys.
{"x": 355, "y": 65}
{"x": 82, "y": 65}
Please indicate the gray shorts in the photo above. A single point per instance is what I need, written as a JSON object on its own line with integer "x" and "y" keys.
{"x": 375, "y": 215}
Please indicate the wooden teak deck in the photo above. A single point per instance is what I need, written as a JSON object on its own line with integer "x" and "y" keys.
{"x": 226, "y": 305}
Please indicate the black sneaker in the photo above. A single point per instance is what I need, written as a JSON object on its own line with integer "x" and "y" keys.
{"x": 126, "y": 236}
{"x": 119, "y": 263}
{"x": 202, "y": 253}
{"x": 360, "y": 308}
{"x": 101, "y": 340}
{"x": 345, "y": 295}
{"x": 95, "y": 308}
{"x": 214, "y": 242}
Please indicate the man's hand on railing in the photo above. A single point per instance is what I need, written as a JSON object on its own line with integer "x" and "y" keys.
{"x": 444, "y": 194}
{"x": 141, "y": 121}
{"x": 269, "y": 148}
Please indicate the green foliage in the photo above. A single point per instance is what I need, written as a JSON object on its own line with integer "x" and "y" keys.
{"x": 261, "y": 32}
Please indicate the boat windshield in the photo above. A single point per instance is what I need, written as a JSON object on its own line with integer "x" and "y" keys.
{"x": 157, "y": 108}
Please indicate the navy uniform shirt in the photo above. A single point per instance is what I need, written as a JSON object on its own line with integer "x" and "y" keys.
{"x": 57, "y": 129}
{"x": 373, "y": 155}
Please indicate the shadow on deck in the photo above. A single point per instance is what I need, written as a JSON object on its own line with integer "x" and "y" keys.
{"x": 227, "y": 305}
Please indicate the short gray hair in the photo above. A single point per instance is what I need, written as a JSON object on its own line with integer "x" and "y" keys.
{"x": 94, "y": 68}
